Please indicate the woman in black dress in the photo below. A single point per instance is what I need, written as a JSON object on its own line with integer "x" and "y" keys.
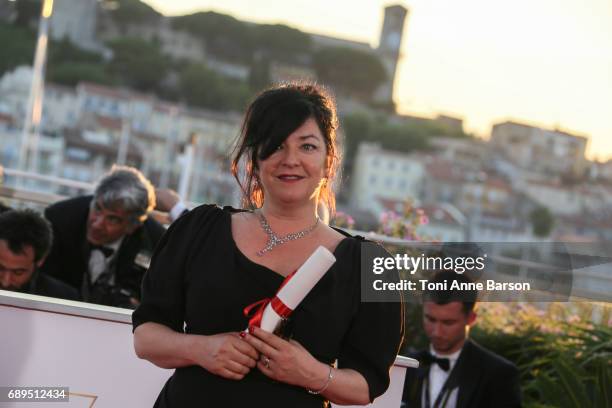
{"x": 213, "y": 262}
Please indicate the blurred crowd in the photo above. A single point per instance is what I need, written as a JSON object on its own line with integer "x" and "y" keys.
{"x": 94, "y": 248}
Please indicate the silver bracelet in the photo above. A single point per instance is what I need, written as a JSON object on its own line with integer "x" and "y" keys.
{"x": 329, "y": 378}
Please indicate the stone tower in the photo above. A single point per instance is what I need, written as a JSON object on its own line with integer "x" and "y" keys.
{"x": 389, "y": 50}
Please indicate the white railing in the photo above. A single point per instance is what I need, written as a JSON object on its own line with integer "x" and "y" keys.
{"x": 49, "y": 179}
{"x": 594, "y": 284}
{"x": 91, "y": 352}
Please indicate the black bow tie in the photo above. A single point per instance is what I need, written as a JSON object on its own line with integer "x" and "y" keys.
{"x": 428, "y": 359}
{"x": 105, "y": 250}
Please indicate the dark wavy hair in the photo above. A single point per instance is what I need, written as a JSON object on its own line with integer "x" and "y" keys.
{"x": 22, "y": 228}
{"x": 269, "y": 120}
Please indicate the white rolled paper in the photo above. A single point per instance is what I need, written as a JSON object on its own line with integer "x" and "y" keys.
{"x": 300, "y": 284}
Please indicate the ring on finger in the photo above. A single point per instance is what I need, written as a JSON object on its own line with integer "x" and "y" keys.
{"x": 266, "y": 361}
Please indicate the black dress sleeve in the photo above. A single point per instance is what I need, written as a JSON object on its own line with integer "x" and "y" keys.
{"x": 375, "y": 334}
{"x": 163, "y": 286}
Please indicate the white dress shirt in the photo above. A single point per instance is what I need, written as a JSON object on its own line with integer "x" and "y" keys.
{"x": 437, "y": 378}
{"x": 177, "y": 211}
{"x": 98, "y": 263}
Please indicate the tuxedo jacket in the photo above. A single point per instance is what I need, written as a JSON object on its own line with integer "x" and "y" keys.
{"x": 44, "y": 285}
{"x": 68, "y": 260}
{"x": 4, "y": 207}
{"x": 485, "y": 380}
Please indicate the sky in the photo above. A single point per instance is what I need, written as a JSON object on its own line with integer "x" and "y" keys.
{"x": 541, "y": 62}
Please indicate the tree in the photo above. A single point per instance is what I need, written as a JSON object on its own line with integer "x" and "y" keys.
{"x": 259, "y": 74}
{"x": 71, "y": 73}
{"x": 281, "y": 42}
{"x": 358, "y": 127}
{"x": 225, "y": 36}
{"x": 27, "y": 11}
{"x": 234, "y": 40}
{"x": 64, "y": 50}
{"x": 542, "y": 221}
{"x": 352, "y": 72}
{"x": 125, "y": 12}
{"x": 202, "y": 87}
{"x": 18, "y": 46}
{"x": 364, "y": 127}
{"x": 139, "y": 63}
{"x": 402, "y": 137}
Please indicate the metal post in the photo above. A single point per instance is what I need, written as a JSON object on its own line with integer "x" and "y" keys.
{"x": 124, "y": 140}
{"x": 187, "y": 168}
{"x": 171, "y": 131}
{"x": 31, "y": 127}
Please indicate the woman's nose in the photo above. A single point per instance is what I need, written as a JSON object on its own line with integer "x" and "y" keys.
{"x": 290, "y": 157}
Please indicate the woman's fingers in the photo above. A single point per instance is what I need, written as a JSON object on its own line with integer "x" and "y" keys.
{"x": 266, "y": 369}
{"x": 298, "y": 345}
{"x": 227, "y": 351}
{"x": 245, "y": 359}
{"x": 247, "y": 349}
{"x": 237, "y": 368}
{"x": 224, "y": 372}
{"x": 260, "y": 345}
{"x": 268, "y": 338}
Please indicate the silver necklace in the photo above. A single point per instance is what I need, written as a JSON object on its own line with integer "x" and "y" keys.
{"x": 275, "y": 240}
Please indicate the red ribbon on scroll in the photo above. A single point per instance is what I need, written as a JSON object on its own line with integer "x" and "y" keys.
{"x": 277, "y": 305}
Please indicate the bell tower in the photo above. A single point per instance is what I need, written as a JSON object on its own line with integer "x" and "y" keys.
{"x": 389, "y": 50}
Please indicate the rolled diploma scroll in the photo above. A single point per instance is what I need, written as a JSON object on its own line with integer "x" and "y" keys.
{"x": 300, "y": 284}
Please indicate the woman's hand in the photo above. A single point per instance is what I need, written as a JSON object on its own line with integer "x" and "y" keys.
{"x": 287, "y": 361}
{"x": 225, "y": 354}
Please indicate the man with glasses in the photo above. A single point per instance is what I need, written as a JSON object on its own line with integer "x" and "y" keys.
{"x": 25, "y": 239}
{"x": 104, "y": 243}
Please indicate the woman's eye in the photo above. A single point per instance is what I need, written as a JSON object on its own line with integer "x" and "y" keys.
{"x": 309, "y": 146}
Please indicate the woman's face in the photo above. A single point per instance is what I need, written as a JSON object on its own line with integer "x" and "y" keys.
{"x": 293, "y": 173}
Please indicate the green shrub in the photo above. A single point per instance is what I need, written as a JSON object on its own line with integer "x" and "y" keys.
{"x": 564, "y": 359}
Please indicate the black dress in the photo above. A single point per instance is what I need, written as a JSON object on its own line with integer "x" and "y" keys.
{"x": 199, "y": 283}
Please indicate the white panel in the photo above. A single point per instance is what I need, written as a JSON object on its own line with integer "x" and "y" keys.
{"x": 88, "y": 348}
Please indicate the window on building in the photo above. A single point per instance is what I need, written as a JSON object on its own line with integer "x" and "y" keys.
{"x": 69, "y": 172}
{"x": 76, "y": 153}
{"x": 90, "y": 103}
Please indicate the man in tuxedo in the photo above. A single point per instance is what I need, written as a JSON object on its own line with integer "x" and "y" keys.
{"x": 456, "y": 372}
{"x": 103, "y": 243}
{"x": 25, "y": 240}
